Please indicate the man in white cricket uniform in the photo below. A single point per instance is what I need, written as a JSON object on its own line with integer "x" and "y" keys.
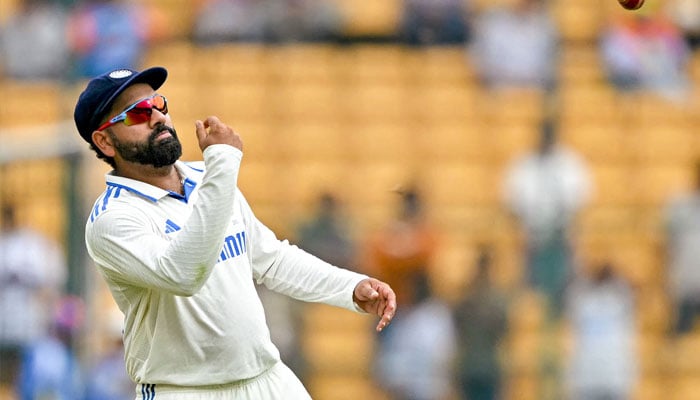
{"x": 181, "y": 250}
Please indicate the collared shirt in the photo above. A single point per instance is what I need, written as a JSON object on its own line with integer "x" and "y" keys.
{"x": 183, "y": 270}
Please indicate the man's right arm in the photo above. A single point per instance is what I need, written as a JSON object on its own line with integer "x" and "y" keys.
{"x": 129, "y": 250}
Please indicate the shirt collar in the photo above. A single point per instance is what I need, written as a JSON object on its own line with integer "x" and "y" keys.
{"x": 192, "y": 178}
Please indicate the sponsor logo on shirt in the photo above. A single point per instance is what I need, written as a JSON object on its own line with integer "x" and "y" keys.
{"x": 171, "y": 227}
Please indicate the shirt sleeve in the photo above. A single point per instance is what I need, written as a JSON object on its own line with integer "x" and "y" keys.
{"x": 129, "y": 250}
{"x": 289, "y": 270}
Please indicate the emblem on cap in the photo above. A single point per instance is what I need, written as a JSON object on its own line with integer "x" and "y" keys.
{"x": 120, "y": 73}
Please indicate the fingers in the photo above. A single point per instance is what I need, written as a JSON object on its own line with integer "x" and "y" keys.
{"x": 200, "y": 131}
{"x": 388, "y": 308}
{"x": 367, "y": 292}
{"x": 213, "y": 131}
{"x": 375, "y": 296}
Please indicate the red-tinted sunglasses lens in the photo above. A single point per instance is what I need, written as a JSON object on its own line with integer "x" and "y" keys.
{"x": 141, "y": 111}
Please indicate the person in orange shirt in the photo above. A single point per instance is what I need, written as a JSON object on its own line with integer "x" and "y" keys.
{"x": 401, "y": 253}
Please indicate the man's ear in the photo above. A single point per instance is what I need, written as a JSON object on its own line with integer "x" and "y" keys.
{"x": 103, "y": 142}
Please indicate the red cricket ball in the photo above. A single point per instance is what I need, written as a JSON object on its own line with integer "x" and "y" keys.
{"x": 631, "y": 4}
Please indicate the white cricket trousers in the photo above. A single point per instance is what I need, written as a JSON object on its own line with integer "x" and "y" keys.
{"x": 279, "y": 382}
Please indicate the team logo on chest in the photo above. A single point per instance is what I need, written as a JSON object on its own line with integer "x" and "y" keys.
{"x": 234, "y": 246}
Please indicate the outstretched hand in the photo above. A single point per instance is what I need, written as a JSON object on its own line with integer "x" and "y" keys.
{"x": 376, "y": 297}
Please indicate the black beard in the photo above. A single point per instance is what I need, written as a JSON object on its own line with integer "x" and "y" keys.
{"x": 158, "y": 154}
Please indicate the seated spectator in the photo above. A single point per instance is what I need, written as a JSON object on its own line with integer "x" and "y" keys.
{"x": 515, "y": 46}
{"x": 110, "y": 34}
{"x": 221, "y": 21}
{"x": 644, "y": 50}
{"x": 403, "y": 249}
{"x": 50, "y": 368}
{"x": 481, "y": 321}
{"x": 430, "y": 22}
{"x": 32, "y": 274}
{"x": 416, "y": 358}
{"x": 107, "y": 379}
{"x": 681, "y": 219}
{"x": 33, "y": 42}
{"x": 327, "y": 234}
{"x": 545, "y": 190}
{"x": 601, "y": 311}
{"x": 303, "y": 20}
{"x": 686, "y": 15}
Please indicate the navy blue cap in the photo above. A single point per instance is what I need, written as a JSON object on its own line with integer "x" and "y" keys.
{"x": 100, "y": 93}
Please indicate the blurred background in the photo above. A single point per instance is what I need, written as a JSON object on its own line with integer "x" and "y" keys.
{"x": 525, "y": 173}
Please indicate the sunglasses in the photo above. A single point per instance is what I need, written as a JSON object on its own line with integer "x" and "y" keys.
{"x": 139, "y": 112}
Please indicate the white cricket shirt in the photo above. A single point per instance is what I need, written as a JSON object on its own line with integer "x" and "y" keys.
{"x": 183, "y": 269}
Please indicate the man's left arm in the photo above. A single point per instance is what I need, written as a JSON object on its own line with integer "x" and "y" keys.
{"x": 287, "y": 269}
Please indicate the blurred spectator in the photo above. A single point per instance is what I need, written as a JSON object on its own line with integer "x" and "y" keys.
{"x": 545, "y": 190}
{"x": 303, "y": 20}
{"x": 431, "y": 22}
{"x": 107, "y": 379}
{"x": 32, "y": 275}
{"x": 284, "y": 318}
{"x": 33, "y": 41}
{"x": 110, "y": 34}
{"x": 481, "y": 319}
{"x": 682, "y": 220}
{"x": 644, "y": 50}
{"x": 401, "y": 252}
{"x": 50, "y": 369}
{"x": 686, "y": 15}
{"x": 415, "y": 362}
{"x": 221, "y": 21}
{"x": 515, "y": 45}
{"x": 601, "y": 311}
{"x": 327, "y": 234}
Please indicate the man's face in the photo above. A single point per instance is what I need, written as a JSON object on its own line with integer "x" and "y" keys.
{"x": 153, "y": 143}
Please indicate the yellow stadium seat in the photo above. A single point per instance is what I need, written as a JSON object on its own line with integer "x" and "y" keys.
{"x": 302, "y": 64}
{"x": 524, "y": 386}
{"x": 178, "y": 56}
{"x": 589, "y": 100}
{"x": 377, "y": 64}
{"x": 599, "y": 141}
{"x": 262, "y": 182}
{"x": 375, "y": 102}
{"x": 460, "y": 183}
{"x": 343, "y": 387}
{"x": 374, "y": 18}
{"x": 315, "y": 141}
{"x": 304, "y": 180}
{"x": 32, "y": 103}
{"x": 665, "y": 142}
{"x": 443, "y": 102}
{"x": 452, "y": 140}
{"x": 519, "y": 105}
{"x": 306, "y": 101}
{"x": 444, "y": 64}
{"x": 579, "y": 21}
{"x": 614, "y": 184}
{"x": 512, "y": 138}
{"x": 658, "y": 183}
{"x": 580, "y": 64}
{"x": 232, "y": 63}
{"x": 380, "y": 141}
